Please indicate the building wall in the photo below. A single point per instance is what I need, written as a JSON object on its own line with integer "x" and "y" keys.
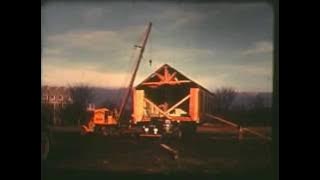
{"x": 56, "y": 98}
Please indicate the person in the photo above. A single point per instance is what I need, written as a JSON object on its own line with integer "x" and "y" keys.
{"x": 115, "y": 113}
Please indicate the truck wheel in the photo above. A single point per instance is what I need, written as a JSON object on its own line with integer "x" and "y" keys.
{"x": 104, "y": 131}
{"x": 83, "y": 130}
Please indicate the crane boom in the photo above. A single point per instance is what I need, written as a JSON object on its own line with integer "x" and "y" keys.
{"x": 141, "y": 48}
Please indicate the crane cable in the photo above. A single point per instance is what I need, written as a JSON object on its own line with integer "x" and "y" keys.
{"x": 130, "y": 70}
{"x": 125, "y": 81}
{"x": 150, "y": 51}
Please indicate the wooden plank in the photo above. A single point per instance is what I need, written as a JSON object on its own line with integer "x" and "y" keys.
{"x": 166, "y": 82}
{"x": 194, "y": 103}
{"x": 241, "y": 129}
{"x": 151, "y": 135}
{"x": 156, "y": 107}
{"x": 181, "y": 118}
{"x": 223, "y": 120}
{"x": 257, "y": 134}
{"x": 138, "y": 105}
{"x": 172, "y": 151}
{"x": 159, "y": 76}
{"x": 172, "y": 76}
{"x": 166, "y": 73}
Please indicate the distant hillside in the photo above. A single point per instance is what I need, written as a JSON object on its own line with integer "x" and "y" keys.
{"x": 103, "y": 96}
{"x": 246, "y": 99}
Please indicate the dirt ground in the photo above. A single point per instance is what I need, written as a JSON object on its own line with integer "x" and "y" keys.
{"x": 214, "y": 152}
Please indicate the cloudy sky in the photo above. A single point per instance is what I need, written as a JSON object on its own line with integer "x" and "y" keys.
{"x": 215, "y": 44}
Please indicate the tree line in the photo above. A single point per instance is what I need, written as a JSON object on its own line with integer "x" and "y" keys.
{"x": 74, "y": 113}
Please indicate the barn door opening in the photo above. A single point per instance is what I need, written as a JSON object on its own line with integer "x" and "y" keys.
{"x": 167, "y": 100}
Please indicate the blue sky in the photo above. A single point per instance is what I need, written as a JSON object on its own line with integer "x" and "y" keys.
{"x": 215, "y": 44}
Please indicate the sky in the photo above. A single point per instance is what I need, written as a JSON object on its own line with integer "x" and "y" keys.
{"x": 215, "y": 44}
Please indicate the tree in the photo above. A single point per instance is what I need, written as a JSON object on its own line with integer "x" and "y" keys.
{"x": 75, "y": 112}
{"x": 109, "y": 104}
{"x": 223, "y": 98}
{"x": 46, "y": 113}
{"x": 258, "y": 102}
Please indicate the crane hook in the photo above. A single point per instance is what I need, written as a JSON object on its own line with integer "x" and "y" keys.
{"x": 150, "y": 62}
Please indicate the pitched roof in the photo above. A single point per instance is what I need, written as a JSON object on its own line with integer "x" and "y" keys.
{"x": 152, "y": 75}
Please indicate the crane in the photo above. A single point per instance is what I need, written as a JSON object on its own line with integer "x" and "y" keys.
{"x": 102, "y": 119}
{"x": 141, "y": 48}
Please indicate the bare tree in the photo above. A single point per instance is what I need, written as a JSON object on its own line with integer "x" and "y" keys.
{"x": 223, "y": 98}
{"x": 46, "y": 113}
{"x": 258, "y": 102}
{"x": 75, "y": 112}
{"x": 109, "y": 104}
{"x": 81, "y": 94}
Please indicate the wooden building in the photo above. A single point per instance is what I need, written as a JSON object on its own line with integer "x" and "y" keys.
{"x": 55, "y": 98}
{"x": 169, "y": 94}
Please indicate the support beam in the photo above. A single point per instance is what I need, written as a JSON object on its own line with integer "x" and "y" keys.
{"x": 222, "y": 120}
{"x": 172, "y": 76}
{"x": 194, "y": 105}
{"x": 160, "y": 76}
{"x": 177, "y": 104}
{"x": 257, "y": 134}
{"x": 169, "y": 82}
{"x": 138, "y": 105}
{"x": 241, "y": 129}
{"x": 166, "y": 73}
{"x": 155, "y": 106}
{"x": 173, "y": 152}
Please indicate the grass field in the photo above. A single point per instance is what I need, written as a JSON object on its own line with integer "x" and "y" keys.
{"x": 214, "y": 151}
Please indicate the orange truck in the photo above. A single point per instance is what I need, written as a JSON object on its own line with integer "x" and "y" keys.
{"x": 102, "y": 120}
